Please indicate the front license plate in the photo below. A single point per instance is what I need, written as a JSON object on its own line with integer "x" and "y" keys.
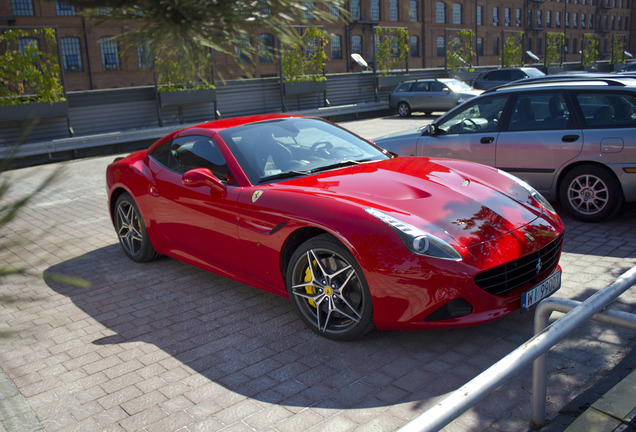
{"x": 541, "y": 291}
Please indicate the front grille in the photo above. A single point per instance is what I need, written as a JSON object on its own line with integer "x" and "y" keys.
{"x": 503, "y": 279}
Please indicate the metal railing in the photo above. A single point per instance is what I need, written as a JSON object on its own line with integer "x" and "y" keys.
{"x": 479, "y": 387}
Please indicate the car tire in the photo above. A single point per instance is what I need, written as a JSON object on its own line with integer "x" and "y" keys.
{"x": 328, "y": 289}
{"x": 131, "y": 230}
{"x": 591, "y": 193}
{"x": 403, "y": 109}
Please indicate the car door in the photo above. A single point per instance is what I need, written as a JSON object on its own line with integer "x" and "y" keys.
{"x": 540, "y": 136}
{"x": 469, "y": 133}
{"x": 419, "y": 96}
{"x": 440, "y": 97}
{"x": 199, "y": 223}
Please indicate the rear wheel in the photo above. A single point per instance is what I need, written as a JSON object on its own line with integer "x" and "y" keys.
{"x": 328, "y": 289}
{"x": 404, "y": 110}
{"x": 591, "y": 193}
{"x": 131, "y": 230}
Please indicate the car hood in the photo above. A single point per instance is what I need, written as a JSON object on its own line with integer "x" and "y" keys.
{"x": 413, "y": 134}
{"x": 471, "y": 203}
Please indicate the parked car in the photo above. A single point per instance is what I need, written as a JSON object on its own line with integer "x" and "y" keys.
{"x": 428, "y": 95}
{"x": 355, "y": 237}
{"x": 497, "y": 77}
{"x": 629, "y": 67}
{"x": 572, "y": 137}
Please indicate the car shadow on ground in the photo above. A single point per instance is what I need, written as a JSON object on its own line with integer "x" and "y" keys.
{"x": 252, "y": 343}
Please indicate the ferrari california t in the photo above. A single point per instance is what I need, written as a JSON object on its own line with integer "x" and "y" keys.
{"x": 356, "y": 237}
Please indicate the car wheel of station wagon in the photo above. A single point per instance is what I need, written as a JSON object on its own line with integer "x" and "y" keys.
{"x": 591, "y": 193}
{"x": 131, "y": 230}
{"x": 328, "y": 289}
{"x": 404, "y": 110}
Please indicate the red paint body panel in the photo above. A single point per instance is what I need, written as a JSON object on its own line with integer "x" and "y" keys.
{"x": 484, "y": 215}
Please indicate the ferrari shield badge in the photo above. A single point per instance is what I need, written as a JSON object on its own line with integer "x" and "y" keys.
{"x": 256, "y": 195}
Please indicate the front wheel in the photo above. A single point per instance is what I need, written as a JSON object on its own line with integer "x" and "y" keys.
{"x": 328, "y": 289}
{"x": 131, "y": 230}
{"x": 591, "y": 193}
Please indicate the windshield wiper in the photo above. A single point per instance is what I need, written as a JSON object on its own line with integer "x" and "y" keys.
{"x": 339, "y": 165}
{"x": 284, "y": 175}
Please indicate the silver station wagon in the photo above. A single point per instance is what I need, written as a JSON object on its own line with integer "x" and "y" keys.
{"x": 428, "y": 95}
{"x": 572, "y": 137}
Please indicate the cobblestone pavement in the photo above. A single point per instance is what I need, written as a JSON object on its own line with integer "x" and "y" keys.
{"x": 165, "y": 346}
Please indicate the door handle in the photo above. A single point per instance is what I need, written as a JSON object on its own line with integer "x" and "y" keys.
{"x": 569, "y": 138}
{"x": 487, "y": 140}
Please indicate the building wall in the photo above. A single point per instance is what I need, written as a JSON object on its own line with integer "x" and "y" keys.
{"x": 610, "y": 17}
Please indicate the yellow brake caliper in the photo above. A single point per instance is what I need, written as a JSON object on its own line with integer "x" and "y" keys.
{"x": 310, "y": 289}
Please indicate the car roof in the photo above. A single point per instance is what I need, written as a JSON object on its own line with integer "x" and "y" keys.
{"x": 222, "y": 124}
{"x": 585, "y": 80}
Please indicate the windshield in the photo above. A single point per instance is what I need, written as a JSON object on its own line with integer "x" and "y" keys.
{"x": 458, "y": 86}
{"x": 283, "y": 148}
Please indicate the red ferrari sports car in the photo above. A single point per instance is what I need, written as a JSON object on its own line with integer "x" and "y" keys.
{"x": 356, "y": 237}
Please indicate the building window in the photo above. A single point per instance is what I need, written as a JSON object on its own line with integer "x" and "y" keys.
{"x": 548, "y": 19}
{"x": 24, "y": 43}
{"x": 480, "y": 14}
{"x": 415, "y": 46}
{"x": 440, "y": 13}
{"x": 71, "y": 54}
{"x": 480, "y": 46}
{"x": 356, "y": 44}
{"x": 440, "y": 46}
{"x": 574, "y": 45}
{"x": 539, "y": 19}
{"x": 518, "y": 18}
{"x": 265, "y": 48}
{"x": 355, "y": 10}
{"x": 529, "y": 19}
{"x": 583, "y": 21}
{"x": 495, "y": 16}
{"x": 626, "y": 23}
{"x": 413, "y": 10}
{"x": 64, "y": 9}
{"x": 567, "y": 19}
{"x": 334, "y": 11}
{"x": 336, "y": 47}
{"x": 558, "y": 19}
{"x": 393, "y": 10}
{"x": 375, "y": 10}
{"x": 495, "y": 46}
{"x": 22, "y": 7}
{"x": 457, "y": 13}
{"x": 591, "y": 22}
{"x": 574, "y": 21}
{"x": 110, "y": 53}
{"x": 507, "y": 17}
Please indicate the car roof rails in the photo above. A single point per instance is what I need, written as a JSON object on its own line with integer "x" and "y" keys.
{"x": 609, "y": 79}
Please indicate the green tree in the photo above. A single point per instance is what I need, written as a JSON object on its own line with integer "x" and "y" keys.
{"x": 306, "y": 61}
{"x": 29, "y": 74}
{"x": 513, "y": 51}
{"x": 589, "y": 50}
{"x": 618, "y": 49}
{"x": 554, "y": 49}
{"x": 459, "y": 52}
{"x": 171, "y": 28}
{"x": 392, "y": 49}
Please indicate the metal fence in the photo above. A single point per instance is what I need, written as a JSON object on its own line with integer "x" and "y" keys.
{"x": 545, "y": 337}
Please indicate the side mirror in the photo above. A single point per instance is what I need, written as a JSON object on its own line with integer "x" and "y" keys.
{"x": 431, "y": 129}
{"x": 202, "y": 177}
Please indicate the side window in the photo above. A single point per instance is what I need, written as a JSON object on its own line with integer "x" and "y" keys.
{"x": 540, "y": 111}
{"x": 437, "y": 87}
{"x": 517, "y": 75}
{"x": 499, "y": 75}
{"x": 480, "y": 116}
{"x": 404, "y": 87}
{"x": 608, "y": 110}
{"x": 420, "y": 86}
{"x": 186, "y": 153}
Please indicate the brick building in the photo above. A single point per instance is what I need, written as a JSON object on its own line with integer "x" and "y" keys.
{"x": 91, "y": 60}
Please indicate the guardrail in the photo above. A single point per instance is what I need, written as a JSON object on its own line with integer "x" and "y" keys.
{"x": 545, "y": 337}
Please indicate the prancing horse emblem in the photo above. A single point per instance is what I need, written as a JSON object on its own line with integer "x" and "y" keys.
{"x": 538, "y": 268}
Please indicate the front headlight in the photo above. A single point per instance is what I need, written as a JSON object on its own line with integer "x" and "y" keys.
{"x": 416, "y": 240}
{"x": 532, "y": 191}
